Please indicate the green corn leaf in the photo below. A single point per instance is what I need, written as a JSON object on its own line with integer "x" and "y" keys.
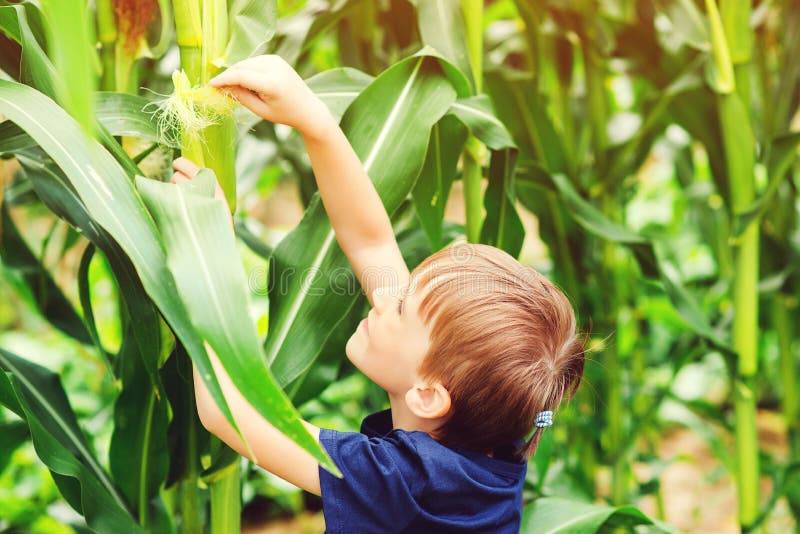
{"x": 73, "y": 55}
{"x": 251, "y": 240}
{"x": 441, "y": 25}
{"x": 388, "y": 125}
{"x": 477, "y": 113}
{"x": 688, "y": 307}
{"x": 23, "y": 24}
{"x": 782, "y": 152}
{"x": 688, "y": 22}
{"x": 167, "y": 29}
{"x": 52, "y": 187}
{"x": 253, "y": 23}
{"x": 223, "y": 461}
{"x": 49, "y": 298}
{"x": 97, "y": 179}
{"x": 720, "y": 69}
{"x": 84, "y": 293}
{"x": 645, "y": 250}
{"x": 502, "y": 227}
{"x": 202, "y": 257}
{"x": 301, "y": 29}
{"x": 696, "y": 111}
{"x": 592, "y": 218}
{"x": 433, "y": 186}
{"x": 138, "y": 453}
{"x": 61, "y": 445}
{"x": 326, "y": 367}
{"x": 13, "y": 139}
{"x": 8, "y": 398}
{"x": 553, "y": 515}
{"x": 186, "y": 436}
{"x": 123, "y": 114}
{"x": 521, "y": 109}
{"x": 119, "y": 113}
{"x": 338, "y": 88}
{"x": 736, "y": 22}
{"x": 141, "y": 344}
{"x": 473, "y": 14}
{"x": 12, "y": 435}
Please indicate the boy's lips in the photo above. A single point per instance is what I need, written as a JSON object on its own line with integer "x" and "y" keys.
{"x": 365, "y": 324}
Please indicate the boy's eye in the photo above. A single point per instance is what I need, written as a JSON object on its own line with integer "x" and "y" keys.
{"x": 400, "y": 307}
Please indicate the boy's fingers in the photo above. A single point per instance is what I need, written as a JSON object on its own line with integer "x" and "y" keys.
{"x": 247, "y": 98}
{"x": 258, "y": 64}
{"x": 219, "y": 194}
{"x": 178, "y": 178}
{"x": 250, "y": 79}
{"x": 185, "y": 166}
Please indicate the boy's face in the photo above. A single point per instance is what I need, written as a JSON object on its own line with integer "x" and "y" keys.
{"x": 390, "y": 343}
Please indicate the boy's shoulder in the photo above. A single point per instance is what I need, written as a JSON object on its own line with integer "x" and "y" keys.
{"x": 396, "y": 481}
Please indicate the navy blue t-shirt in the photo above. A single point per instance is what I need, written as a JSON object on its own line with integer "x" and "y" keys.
{"x": 398, "y": 481}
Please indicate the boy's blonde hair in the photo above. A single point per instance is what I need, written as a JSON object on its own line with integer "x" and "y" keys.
{"x": 503, "y": 343}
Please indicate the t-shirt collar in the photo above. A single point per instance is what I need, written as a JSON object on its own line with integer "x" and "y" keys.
{"x": 379, "y": 424}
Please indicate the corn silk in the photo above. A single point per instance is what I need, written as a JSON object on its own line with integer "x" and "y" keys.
{"x": 184, "y": 114}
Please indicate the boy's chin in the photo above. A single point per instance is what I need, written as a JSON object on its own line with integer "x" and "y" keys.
{"x": 351, "y": 350}
{"x": 356, "y": 356}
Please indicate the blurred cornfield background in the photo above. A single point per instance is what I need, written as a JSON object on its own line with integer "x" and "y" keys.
{"x": 640, "y": 153}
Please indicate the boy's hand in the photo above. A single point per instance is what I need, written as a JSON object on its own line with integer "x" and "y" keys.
{"x": 186, "y": 169}
{"x": 270, "y": 88}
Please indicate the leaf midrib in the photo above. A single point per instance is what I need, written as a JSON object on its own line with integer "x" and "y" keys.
{"x": 479, "y": 112}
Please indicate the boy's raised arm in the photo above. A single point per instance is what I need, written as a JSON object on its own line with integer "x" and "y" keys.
{"x": 271, "y": 89}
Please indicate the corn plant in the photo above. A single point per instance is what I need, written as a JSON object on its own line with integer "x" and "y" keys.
{"x": 544, "y": 133}
{"x": 427, "y": 98}
{"x": 127, "y": 236}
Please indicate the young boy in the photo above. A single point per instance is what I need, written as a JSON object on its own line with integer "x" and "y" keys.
{"x": 474, "y": 350}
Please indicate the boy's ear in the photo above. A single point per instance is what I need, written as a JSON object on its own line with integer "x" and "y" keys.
{"x": 428, "y": 401}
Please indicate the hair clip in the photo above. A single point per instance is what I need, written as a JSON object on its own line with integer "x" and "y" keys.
{"x": 543, "y": 419}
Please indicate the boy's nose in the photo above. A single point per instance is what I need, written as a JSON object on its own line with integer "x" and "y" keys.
{"x": 381, "y": 299}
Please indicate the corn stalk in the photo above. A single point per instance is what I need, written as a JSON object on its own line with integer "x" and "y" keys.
{"x": 107, "y": 38}
{"x": 202, "y": 34}
{"x": 474, "y": 152}
{"x": 731, "y": 39}
{"x": 616, "y": 412}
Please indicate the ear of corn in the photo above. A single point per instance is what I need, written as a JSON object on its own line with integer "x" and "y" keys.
{"x": 207, "y": 125}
